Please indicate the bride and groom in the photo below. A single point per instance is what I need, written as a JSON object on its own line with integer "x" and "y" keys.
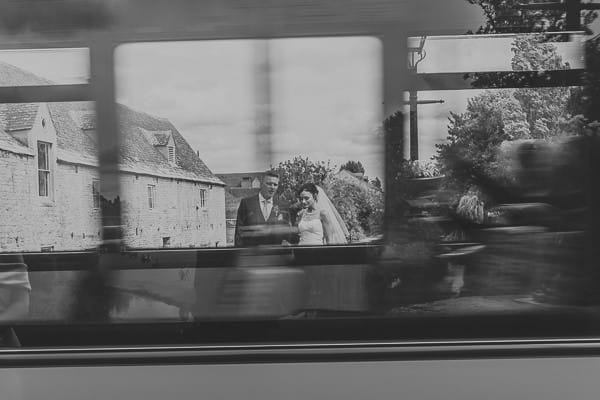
{"x": 262, "y": 220}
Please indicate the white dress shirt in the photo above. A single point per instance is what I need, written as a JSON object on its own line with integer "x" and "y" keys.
{"x": 265, "y": 205}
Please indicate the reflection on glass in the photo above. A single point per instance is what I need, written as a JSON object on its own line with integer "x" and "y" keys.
{"x": 466, "y": 53}
{"x": 50, "y": 66}
{"x": 326, "y": 115}
{"x": 184, "y": 115}
{"x": 49, "y": 166}
{"x": 239, "y": 107}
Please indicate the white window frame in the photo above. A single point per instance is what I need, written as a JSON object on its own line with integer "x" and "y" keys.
{"x": 151, "y": 196}
{"x": 44, "y": 170}
{"x": 203, "y": 198}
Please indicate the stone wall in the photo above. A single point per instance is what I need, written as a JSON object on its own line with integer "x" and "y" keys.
{"x": 67, "y": 220}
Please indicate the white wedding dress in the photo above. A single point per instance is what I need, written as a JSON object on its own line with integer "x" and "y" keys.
{"x": 311, "y": 228}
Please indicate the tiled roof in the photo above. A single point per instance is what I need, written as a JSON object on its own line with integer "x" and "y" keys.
{"x": 73, "y": 122}
{"x": 9, "y": 143}
{"x": 138, "y": 155}
{"x": 157, "y": 138}
{"x": 137, "y": 150}
{"x": 16, "y": 117}
{"x": 13, "y": 76}
{"x": 235, "y": 179}
{"x": 242, "y": 192}
{"x": 86, "y": 120}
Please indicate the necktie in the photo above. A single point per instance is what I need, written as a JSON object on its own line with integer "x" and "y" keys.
{"x": 265, "y": 209}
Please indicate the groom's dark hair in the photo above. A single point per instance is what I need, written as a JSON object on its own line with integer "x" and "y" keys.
{"x": 272, "y": 173}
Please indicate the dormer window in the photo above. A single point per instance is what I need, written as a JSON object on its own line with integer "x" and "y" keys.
{"x": 163, "y": 142}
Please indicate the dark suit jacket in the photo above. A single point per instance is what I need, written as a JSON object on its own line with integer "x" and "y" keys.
{"x": 251, "y": 229}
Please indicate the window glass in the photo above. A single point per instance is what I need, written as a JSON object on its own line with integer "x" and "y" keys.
{"x": 482, "y": 53}
{"x": 49, "y": 168}
{"x": 187, "y": 122}
{"x": 49, "y": 172}
{"x": 234, "y": 109}
{"x": 493, "y": 181}
{"x": 44, "y": 67}
{"x": 326, "y": 102}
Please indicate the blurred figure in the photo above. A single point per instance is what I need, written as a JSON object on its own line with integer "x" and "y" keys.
{"x": 14, "y": 296}
{"x": 261, "y": 219}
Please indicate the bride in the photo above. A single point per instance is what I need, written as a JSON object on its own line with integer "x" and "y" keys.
{"x": 318, "y": 221}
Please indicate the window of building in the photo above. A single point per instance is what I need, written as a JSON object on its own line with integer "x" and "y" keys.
{"x": 171, "y": 154}
{"x": 44, "y": 169}
{"x": 151, "y": 196}
{"x": 96, "y": 193}
{"x": 202, "y": 197}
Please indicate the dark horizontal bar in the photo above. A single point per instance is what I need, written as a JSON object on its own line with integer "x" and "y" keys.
{"x": 498, "y": 80}
{"x": 45, "y": 93}
{"x": 201, "y": 257}
{"x": 298, "y": 353}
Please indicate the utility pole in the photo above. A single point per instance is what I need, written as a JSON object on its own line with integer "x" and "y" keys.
{"x": 416, "y": 54}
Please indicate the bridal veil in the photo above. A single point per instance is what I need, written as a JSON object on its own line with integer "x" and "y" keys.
{"x": 338, "y": 231}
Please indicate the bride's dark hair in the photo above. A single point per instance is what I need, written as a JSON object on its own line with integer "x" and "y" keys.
{"x": 308, "y": 187}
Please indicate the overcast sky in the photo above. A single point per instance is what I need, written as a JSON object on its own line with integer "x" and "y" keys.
{"x": 325, "y": 92}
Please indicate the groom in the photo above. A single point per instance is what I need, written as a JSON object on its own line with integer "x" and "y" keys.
{"x": 260, "y": 218}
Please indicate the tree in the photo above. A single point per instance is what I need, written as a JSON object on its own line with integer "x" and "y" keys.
{"x": 505, "y": 16}
{"x": 353, "y": 166}
{"x": 361, "y": 209}
{"x": 506, "y": 115}
{"x": 475, "y": 135}
{"x": 377, "y": 183}
{"x": 546, "y": 108}
{"x": 293, "y": 173}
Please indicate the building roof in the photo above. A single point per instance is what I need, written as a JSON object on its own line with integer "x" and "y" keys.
{"x": 14, "y": 76}
{"x": 16, "y": 117}
{"x": 356, "y": 179}
{"x": 9, "y": 143}
{"x": 235, "y": 179}
{"x": 157, "y": 138}
{"x": 74, "y": 123}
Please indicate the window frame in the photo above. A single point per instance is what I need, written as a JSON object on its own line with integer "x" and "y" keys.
{"x": 106, "y": 109}
{"x": 151, "y": 196}
{"x": 96, "y": 196}
{"x": 45, "y": 148}
{"x": 203, "y": 193}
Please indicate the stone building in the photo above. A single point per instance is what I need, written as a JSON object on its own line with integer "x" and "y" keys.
{"x": 50, "y": 194}
{"x": 239, "y": 185}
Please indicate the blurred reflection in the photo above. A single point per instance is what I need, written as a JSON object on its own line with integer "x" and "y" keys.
{"x": 525, "y": 233}
{"x": 14, "y": 296}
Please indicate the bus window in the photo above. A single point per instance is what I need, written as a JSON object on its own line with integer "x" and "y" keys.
{"x": 187, "y": 126}
{"x": 326, "y": 112}
{"x": 495, "y": 177}
{"x": 51, "y": 199}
